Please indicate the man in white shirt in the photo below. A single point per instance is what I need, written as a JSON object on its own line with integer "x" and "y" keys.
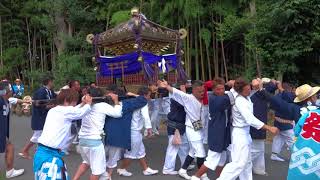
{"x": 195, "y": 114}
{"x": 90, "y": 135}
{"x": 56, "y": 133}
{"x": 140, "y": 118}
{"x": 243, "y": 118}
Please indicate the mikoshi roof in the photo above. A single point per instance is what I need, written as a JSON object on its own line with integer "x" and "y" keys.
{"x": 137, "y": 32}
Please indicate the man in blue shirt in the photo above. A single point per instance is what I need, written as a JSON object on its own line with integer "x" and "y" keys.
{"x": 176, "y": 124}
{"x": 39, "y": 114}
{"x": 218, "y": 129}
{"x": 118, "y": 130}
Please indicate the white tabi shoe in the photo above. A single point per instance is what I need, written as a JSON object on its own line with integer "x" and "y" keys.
{"x": 261, "y": 173}
{"x": 149, "y": 172}
{"x": 164, "y": 172}
{"x": 105, "y": 176}
{"x": 204, "y": 177}
{"x": 14, "y": 173}
{"x": 183, "y": 173}
{"x": 194, "y": 178}
{"x": 124, "y": 172}
{"x": 275, "y": 157}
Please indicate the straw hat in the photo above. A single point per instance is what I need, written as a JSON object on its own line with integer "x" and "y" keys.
{"x": 304, "y": 92}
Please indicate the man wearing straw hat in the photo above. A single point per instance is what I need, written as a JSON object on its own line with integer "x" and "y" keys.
{"x": 306, "y": 150}
{"x": 306, "y": 97}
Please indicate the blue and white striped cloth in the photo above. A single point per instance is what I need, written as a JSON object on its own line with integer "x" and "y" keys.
{"x": 47, "y": 164}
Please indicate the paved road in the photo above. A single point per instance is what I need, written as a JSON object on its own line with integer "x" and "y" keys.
{"x": 21, "y": 132}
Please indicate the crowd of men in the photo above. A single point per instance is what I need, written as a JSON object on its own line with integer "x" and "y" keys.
{"x": 108, "y": 125}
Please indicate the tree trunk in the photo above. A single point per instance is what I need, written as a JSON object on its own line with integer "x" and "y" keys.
{"x": 190, "y": 54}
{"x": 41, "y": 55}
{"x": 70, "y": 29}
{"x": 209, "y": 63}
{"x": 34, "y": 52}
{"x": 53, "y": 57}
{"x": 189, "y": 36}
{"x": 215, "y": 49}
{"x": 29, "y": 49}
{"x": 61, "y": 30}
{"x": 253, "y": 12}
{"x": 197, "y": 52}
{"x": 45, "y": 58}
{"x": 223, "y": 56}
{"x": 201, "y": 51}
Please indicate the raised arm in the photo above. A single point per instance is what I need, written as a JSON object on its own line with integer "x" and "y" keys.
{"x": 177, "y": 95}
{"x": 129, "y": 105}
{"x": 113, "y": 111}
{"x": 78, "y": 112}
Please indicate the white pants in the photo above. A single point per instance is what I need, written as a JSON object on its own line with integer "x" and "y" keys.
{"x": 195, "y": 139}
{"x": 114, "y": 155}
{"x": 284, "y": 137}
{"x": 95, "y": 157}
{"x": 137, "y": 150}
{"x": 257, "y": 156}
{"x": 154, "y": 106}
{"x": 35, "y": 136}
{"x": 174, "y": 150}
{"x": 205, "y": 125}
{"x": 215, "y": 159}
{"x": 241, "y": 165}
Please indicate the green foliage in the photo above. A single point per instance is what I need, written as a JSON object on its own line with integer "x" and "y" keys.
{"x": 119, "y": 17}
{"x": 12, "y": 58}
{"x": 73, "y": 67}
{"x": 205, "y": 34}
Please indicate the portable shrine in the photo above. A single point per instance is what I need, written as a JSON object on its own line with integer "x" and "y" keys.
{"x": 138, "y": 51}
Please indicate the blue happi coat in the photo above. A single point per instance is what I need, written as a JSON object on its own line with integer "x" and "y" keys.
{"x": 39, "y": 113}
{"x": 4, "y": 123}
{"x": 260, "y": 110}
{"x": 118, "y": 130}
{"x": 219, "y": 136}
{"x": 16, "y": 91}
{"x": 288, "y": 97}
{"x": 176, "y": 118}
{"x": 305, "y": 157}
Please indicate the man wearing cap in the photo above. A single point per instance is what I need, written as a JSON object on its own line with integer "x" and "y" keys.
{"x": 5, "y": 145}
